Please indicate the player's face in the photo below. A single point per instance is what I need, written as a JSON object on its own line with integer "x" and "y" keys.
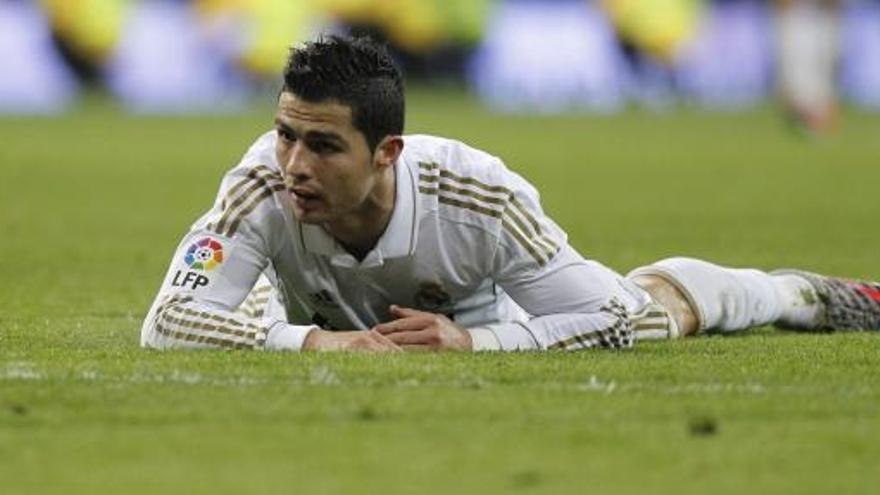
{"x": 326, "y": 161}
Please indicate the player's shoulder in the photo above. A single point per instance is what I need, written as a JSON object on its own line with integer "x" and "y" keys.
{"x": 251, "y": 192}
{"x": 457, "y": 181}
{"x": 461, "y": 183}
{"x": 438, "y": 153}
{"x": 475, "y": 198}
{"x": 259, "y": 157}
{"x": 456, "y": 160}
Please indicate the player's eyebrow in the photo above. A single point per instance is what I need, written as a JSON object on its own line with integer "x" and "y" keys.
{"x": 280, "y": 123}
{"x": 326, "y": 136}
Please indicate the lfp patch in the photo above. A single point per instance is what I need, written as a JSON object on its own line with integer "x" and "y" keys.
{"x": 205, "y": 254}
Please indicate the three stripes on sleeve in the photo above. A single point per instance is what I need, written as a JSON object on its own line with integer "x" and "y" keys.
{"x": 259, "y": 183}
{"x": 495, "y": 201}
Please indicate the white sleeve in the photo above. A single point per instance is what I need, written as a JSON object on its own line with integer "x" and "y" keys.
{"x": 212, "y": 271}
{"x": 574, "y": 303}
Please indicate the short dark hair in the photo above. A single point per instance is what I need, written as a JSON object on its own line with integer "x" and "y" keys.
{"x": 357, "y": 72}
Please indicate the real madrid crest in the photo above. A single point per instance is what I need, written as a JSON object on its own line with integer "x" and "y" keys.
{"x": 431, "y": 296}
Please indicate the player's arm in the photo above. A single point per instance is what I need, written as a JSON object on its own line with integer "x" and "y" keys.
{"x": 214, "y": 268}
{"x": 195, "y": 307}
{"x": 574, "y": 303}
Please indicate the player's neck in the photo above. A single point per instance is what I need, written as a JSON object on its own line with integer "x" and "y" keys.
{"x": 359, "y": 232}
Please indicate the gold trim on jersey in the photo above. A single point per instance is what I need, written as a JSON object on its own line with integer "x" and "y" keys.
{"x": 200, "y": 339}
{"x": 261, "y": 290}
{"x": 233, "y": 227}
{"x": 192, "y": 330}
{"x": 443, "y": 186}
{"x": 446, "y": 174}
{"x": 468, "y": 205}
{"x": 654, "y": 323}
{"x": 252, "y": 174}
{"x": 255, "y": 177}
{"x": 524, "y": 242}
{"x": 549, "y": 243}
{"x": 254, "y": 305}
{"x": 216, "y": 318}
{"x": 651, "y": 320}
{"x": 517, "y": 220}
{"x": 651, "y": 326}
{"x": 194, "y": 325}
{"x": 618, "y": 334}
{"x": 603, "y": 337}
{"x": 262, "y": 182}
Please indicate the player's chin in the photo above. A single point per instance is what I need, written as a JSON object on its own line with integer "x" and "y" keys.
{"x": 310, "y": 215}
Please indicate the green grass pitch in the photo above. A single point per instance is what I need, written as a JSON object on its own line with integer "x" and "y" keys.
{"x": 92, "y": 205}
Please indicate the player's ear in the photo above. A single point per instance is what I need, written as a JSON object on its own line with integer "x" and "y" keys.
{"x": 388, "y": 151}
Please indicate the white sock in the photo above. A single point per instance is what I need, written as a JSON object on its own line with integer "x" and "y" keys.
{"x": 798, "y": 300}
{"x": 730, "y": 299}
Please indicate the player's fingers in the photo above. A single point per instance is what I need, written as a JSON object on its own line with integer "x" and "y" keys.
{"x": 371, "y": 345}
{"x": 403, "y": 312}
{"x": 363, "y": 345}
{"x": 372, "y": 342}
{"x": 422, "y": 337}
{"x": 409, "y": 324}
{"x": 384, "y": 342}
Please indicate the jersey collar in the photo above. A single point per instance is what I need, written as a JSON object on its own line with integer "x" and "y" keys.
{"x": 398, "y": 240}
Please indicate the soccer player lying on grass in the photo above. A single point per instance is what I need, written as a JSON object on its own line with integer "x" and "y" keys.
{"x": 337, "y": 232}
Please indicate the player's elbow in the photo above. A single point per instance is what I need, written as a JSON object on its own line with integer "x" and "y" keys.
{"x": 609, "y": 328}
{"x": 150, "y": 340}
{"x": 152, "y": 335}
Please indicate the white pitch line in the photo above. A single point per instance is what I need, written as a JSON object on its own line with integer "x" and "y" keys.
{"x": 325, "y": 376}
{"x": 21, "y": 370}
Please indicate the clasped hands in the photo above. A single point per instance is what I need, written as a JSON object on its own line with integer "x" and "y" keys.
{"x": 411, "y": 330}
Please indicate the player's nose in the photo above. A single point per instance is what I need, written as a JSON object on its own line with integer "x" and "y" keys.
{"x": 297, "y": 163}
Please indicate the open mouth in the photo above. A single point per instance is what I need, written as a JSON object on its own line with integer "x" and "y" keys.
{"x": 304, "y": 194}
{"x": 305, "y": 198}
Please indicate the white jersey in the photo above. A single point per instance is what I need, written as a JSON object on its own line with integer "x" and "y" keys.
{"x": 467, "y": 238}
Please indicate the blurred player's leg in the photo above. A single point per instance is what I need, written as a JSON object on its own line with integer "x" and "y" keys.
{"x": 705, "y": 296}
{"x": 807, "y": 40}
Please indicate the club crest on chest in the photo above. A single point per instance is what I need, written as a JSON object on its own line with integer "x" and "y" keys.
{"x": 323, "y": 299}
{"x": 432, "y": 296}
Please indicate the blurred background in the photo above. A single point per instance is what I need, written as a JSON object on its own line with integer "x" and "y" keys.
{"x": 205, "y": 56}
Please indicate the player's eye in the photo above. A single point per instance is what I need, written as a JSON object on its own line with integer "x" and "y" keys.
{"x": 285, "y": 135}
{"x": 323, "y": 147}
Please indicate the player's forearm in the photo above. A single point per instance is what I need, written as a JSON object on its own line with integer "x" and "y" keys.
{"x": 185, "y": 323}
{"x": 502, "y": 337}
{"x": 608, "y": 328}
